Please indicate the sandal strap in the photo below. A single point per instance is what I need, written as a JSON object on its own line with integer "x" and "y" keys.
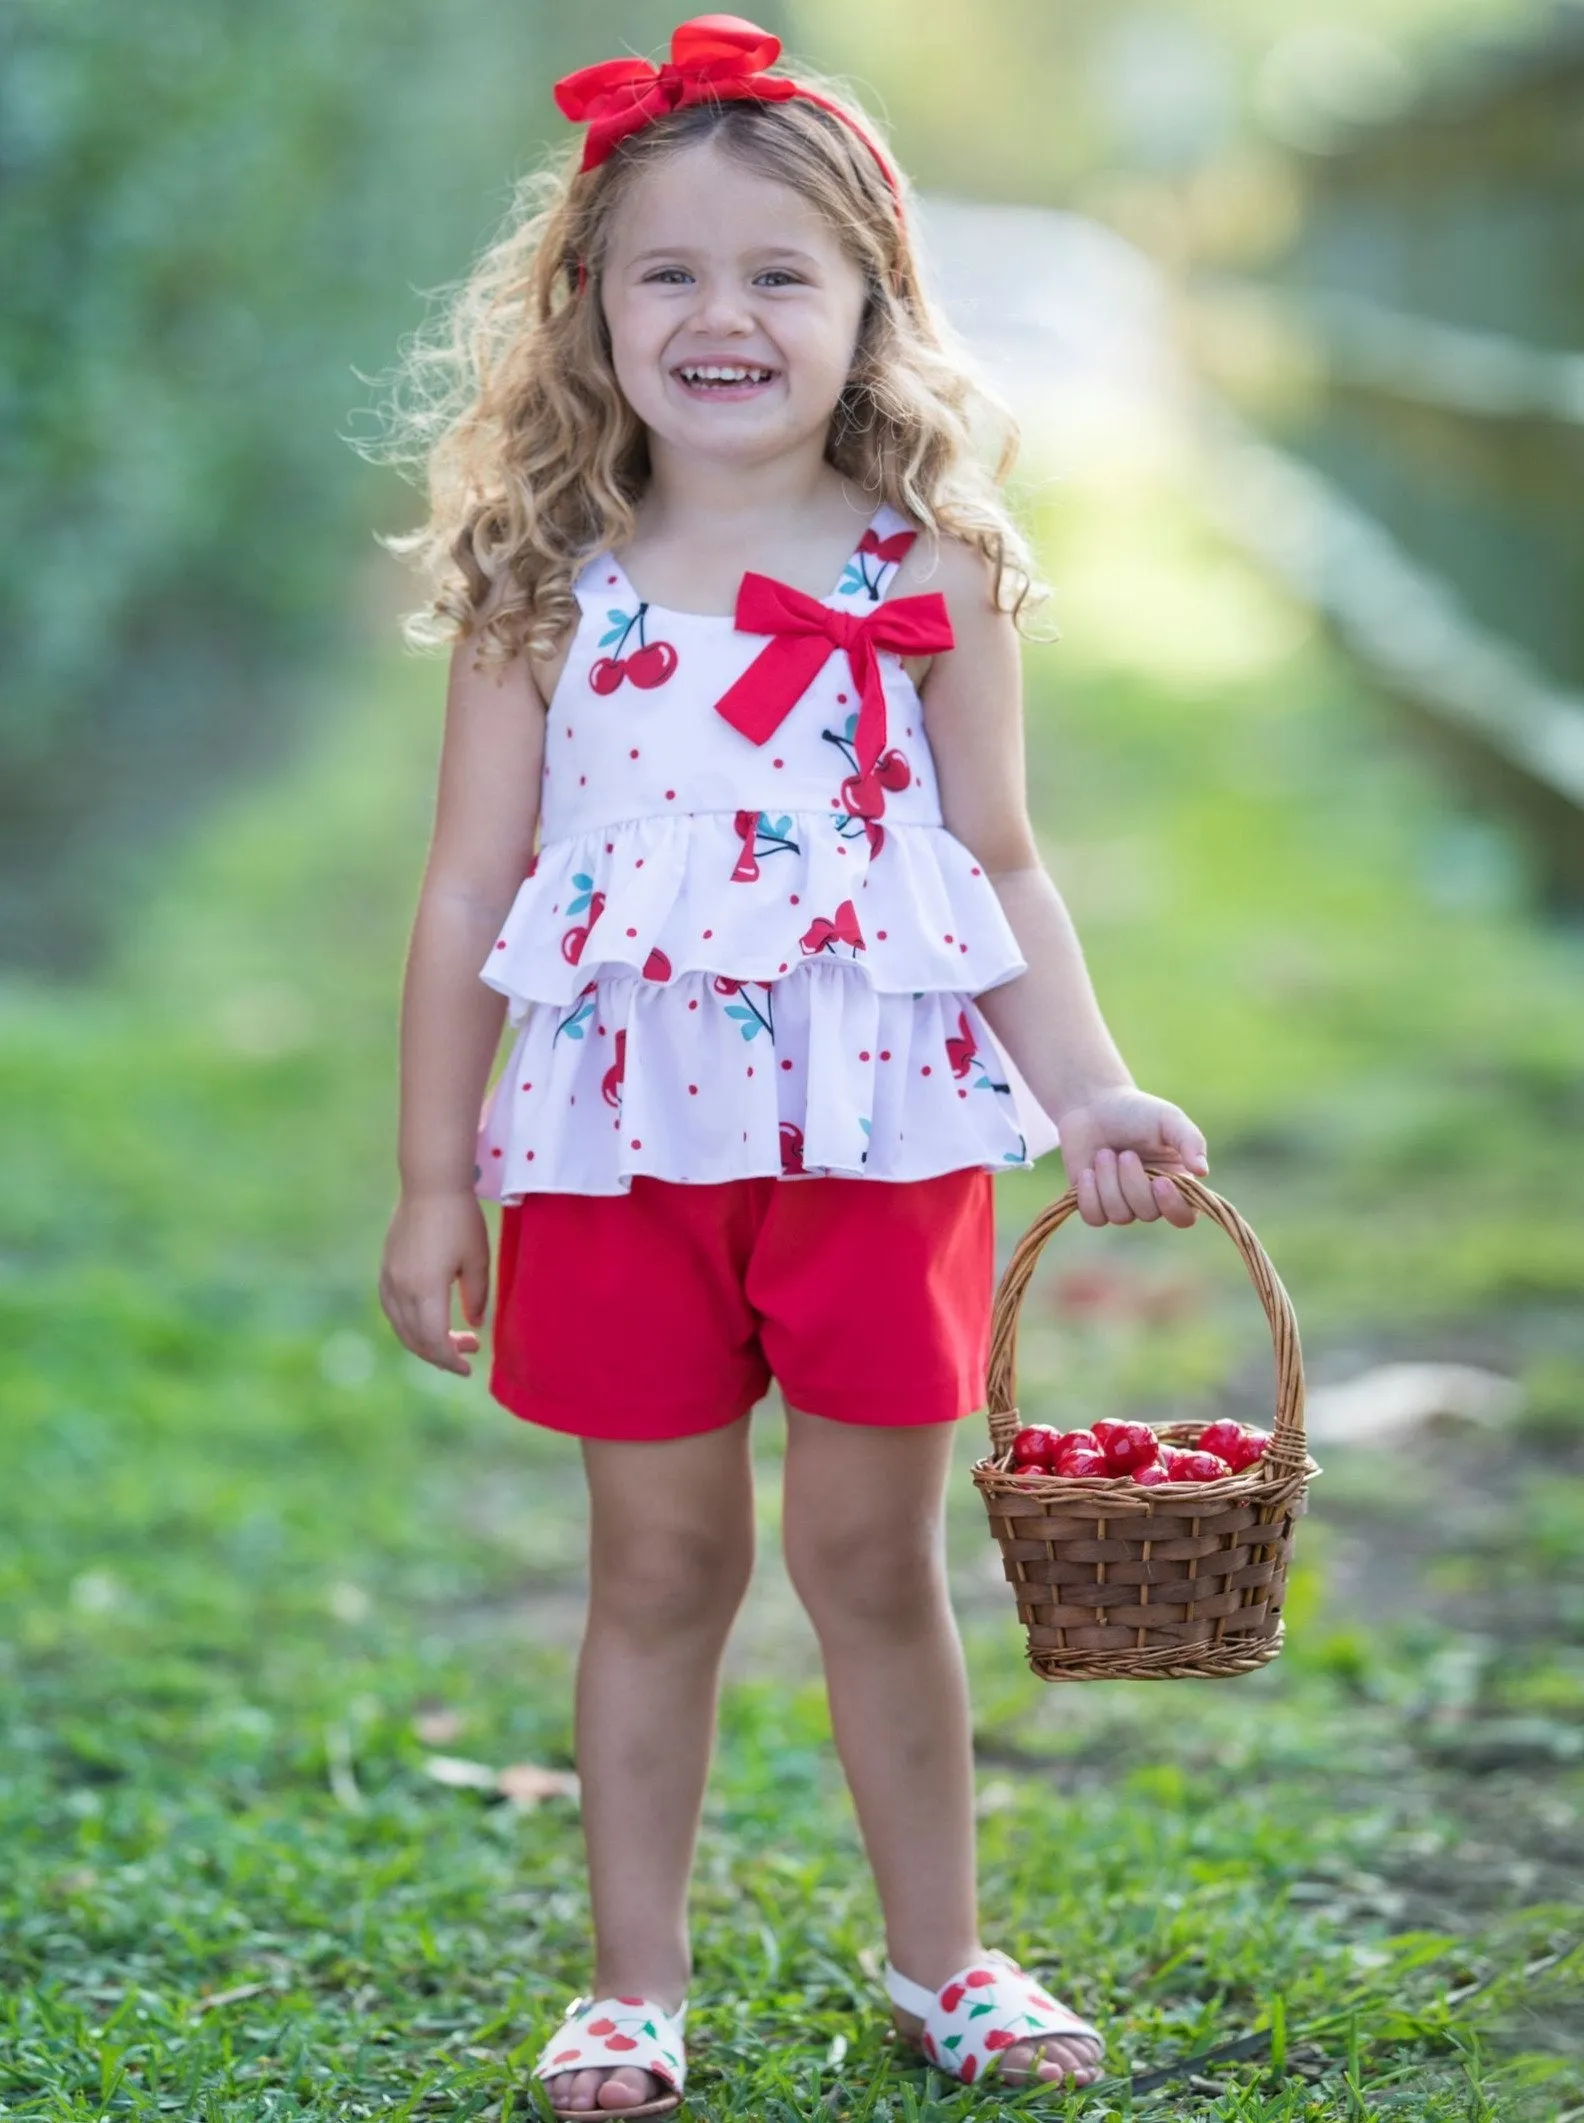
{"x": 983, "y": 2009}
{"x": 601, "y": 2034}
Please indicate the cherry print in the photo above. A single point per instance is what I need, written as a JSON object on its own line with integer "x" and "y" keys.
{"x": 602, "y": 2027}
{"x": 822, "y": 934}
{"x": 951, "y": 1997}
{"x": 652, "y": 665}
{"x": 1001, "y": 2038}
{"x": 564, "y": 2056}
{"x": 892, "y": 769}
{"x": 657, "y": 966}
{"x": 648, "y": 665}
{"x": 611, "y": 1081}
{"x": 575, "y": 938}
{"x": 863, "y": 796}
{"x": 791, "y": 1147}
{"x": 979, "y": 1977}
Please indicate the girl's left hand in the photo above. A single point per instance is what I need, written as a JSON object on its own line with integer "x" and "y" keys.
{"x": 1104, "y": 1143}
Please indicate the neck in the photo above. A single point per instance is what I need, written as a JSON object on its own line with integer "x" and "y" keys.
{"x": 734, "y": 499}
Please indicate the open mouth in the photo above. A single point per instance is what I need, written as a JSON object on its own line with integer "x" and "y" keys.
{"x": 721, "y": 379}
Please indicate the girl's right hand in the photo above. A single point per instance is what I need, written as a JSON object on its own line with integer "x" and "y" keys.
{"x": 435, "y": 1240}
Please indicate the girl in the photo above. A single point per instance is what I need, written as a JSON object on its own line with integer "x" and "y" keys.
{"x": 789, "y": 981}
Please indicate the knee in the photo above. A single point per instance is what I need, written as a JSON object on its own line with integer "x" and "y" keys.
{"x": 870, "y": 1577}
{"x": 667, "y": 1580}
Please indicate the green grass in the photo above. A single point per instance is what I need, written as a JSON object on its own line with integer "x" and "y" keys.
{"x": 248, "y": 1540}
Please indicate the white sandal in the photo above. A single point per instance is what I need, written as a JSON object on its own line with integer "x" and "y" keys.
{"x": 604, "y": 2034}
{"x": 982, "y": 2010}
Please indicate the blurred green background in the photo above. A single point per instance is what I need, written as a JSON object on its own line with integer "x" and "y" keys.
{"x": 1293, "y": 311}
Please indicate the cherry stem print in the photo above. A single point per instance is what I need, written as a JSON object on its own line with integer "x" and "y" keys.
{"x": 648, "y": 665}
{"x": 576, "y": 1018}
{"x": 751, "y": 1021}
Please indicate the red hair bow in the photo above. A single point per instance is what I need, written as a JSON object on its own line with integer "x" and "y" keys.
{"x": 714, "y": 59}
{"x": 806, "y": 632}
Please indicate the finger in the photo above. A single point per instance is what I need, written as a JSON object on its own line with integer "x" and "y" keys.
{"x": 1136, "y": 1189}
{"x": 434, "y": 1332}
{"x": 1112, "y": 1199}
{"x": 473, "y": 1283}
{"x": 1174, "y": 1204}
{"x": 1189, "y": 1143}
{"x": 1090, "y": 1207}
{"x": 463, "y": 1338}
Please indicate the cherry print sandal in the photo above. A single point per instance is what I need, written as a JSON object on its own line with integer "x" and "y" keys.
{"x": 600, "y": 2034}
{"x": 984, "y": 2009}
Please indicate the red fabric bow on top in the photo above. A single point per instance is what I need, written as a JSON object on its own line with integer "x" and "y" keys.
{"x": 714, "y": 58}
{"x": 805, "y": 633}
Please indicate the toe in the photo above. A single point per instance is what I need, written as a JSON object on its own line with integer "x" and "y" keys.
{"x": 1077, "y": 2056}
{"x": 585, "y": 2089}
{"x": 627, "y": 2088}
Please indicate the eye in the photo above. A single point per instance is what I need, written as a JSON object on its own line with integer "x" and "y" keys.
{"x": 667, "y": 273}
{"x": 781, "y": 275}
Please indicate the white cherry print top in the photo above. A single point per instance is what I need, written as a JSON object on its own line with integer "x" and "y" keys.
{"x": 736, "y": 951}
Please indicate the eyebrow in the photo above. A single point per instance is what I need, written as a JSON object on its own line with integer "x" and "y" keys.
{"x": 683, "y": 250}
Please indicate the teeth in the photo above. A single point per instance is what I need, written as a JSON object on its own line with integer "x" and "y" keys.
{"x": 719, "y": 373}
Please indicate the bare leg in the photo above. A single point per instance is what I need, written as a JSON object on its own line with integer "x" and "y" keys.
{"x": 671, "y": 1540}
{"x": 863, "y": 1530}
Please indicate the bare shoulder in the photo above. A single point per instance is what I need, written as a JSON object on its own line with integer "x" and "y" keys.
{"x": 961, "y": 574}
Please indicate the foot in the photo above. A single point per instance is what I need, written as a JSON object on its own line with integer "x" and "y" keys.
{"x": 1050, "y": 2057}
{"x": 623, "y": 2086}
{"x": 601, "y": 2090}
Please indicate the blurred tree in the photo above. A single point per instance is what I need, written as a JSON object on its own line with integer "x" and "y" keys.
{"x": 211, "y": 217}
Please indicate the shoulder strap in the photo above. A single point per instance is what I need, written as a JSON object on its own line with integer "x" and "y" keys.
{"x": 875, "y": 560}
{"x": 601, "y": 584}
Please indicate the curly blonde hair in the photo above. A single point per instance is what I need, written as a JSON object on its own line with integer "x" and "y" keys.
{"x": 508, "y": 405}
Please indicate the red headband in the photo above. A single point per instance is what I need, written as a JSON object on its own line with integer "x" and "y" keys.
{"x": 714, "y": 59}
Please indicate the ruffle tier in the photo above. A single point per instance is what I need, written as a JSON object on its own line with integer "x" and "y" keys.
{"x": 710, "y": 1077}
{"x": 754, "y": 895}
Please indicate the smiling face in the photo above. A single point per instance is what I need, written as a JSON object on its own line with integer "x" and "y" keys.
{"x": 733, "y": 309}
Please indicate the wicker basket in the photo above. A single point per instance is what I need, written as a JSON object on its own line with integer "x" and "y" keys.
{"x": 1118, "y": 1582}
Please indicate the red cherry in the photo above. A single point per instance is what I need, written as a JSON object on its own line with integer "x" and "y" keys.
{"x": 608, "y": 673}
{"x": 1080, "y": 1463}
{"x": 1236, "y": 1443}
{"x": 656, "y": 967}
{"x": 566, "y": 2056}
{"x": 651, "y": 665}
{"x": 969, "y": 2066}
{"x": 1196, "y": 1467}
{"x": 1070, "y": 1441}
{"x": 893, "y": 770}
{"x": 620, "y": 2042}
{"x": 1125, "y": 1445}
{"x": 862, "y": 796}
{"x": 1033, "y": 1447}
{"x": 929, "y": 2046}
{"x": 1001, "y": 2038}
{"x": 977, "y": 1978}
{"x": 1151, "y": 1474}
{"x": 629, "y": 2001}
{"x": 602, "y": 2027}
{"x": 951, "y": 1997}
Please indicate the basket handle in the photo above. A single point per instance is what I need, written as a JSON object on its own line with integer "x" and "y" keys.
{"x": 1286, "y": 1452}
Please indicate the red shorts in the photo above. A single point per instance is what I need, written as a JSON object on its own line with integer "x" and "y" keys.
{"x": 666, "y": 1311}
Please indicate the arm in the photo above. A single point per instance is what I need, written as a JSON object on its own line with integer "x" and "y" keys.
{"x": 1048, "y": 1018}
{"x": 486, "y": 815}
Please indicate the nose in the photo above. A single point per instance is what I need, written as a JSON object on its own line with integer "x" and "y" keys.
{"x": 720, "y": 308}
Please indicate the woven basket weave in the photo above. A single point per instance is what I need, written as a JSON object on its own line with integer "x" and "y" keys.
{"x": 1118, "y": 1582}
